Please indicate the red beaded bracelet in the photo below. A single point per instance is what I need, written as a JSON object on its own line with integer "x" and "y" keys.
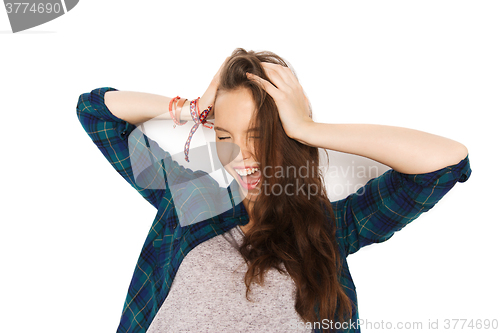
{"x": 198, "y": 118}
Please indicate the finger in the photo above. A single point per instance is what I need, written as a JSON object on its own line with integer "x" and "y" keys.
{"x": 216, "y": 77}
{"x": 271, "y": 90}
{"x": 225, "y": 61}
{"x": 223, "y": 64}
{"x": 285, "y": 73}
{"x": 277, "y": 79}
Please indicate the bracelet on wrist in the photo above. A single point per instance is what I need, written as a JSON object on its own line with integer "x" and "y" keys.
{"x": 198, "y": 118}
{"x": 172, "y": 101}
{"x": 178, "y": 108}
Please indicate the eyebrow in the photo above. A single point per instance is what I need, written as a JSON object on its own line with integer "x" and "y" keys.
{"x": 218, "y": 128}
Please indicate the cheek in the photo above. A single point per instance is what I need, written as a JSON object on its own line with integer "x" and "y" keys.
{"x": 227, "y": 152}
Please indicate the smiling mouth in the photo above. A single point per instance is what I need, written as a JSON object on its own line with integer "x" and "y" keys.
{"x": 251, "y": 181}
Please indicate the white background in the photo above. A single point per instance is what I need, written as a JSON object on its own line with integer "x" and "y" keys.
{"x": 72, "y": 228}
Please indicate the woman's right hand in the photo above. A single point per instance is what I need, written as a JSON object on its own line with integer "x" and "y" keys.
{"x": 208, "y": 97}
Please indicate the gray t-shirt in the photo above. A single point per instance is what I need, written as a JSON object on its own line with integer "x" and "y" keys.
{"x": 208, "y": 294}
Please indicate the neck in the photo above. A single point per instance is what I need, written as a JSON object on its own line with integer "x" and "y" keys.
{"x": 247, "y": 203}
{"x": 249, "y": 208}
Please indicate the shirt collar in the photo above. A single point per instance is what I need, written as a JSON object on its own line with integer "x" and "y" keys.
{"x": 238, "y": 213}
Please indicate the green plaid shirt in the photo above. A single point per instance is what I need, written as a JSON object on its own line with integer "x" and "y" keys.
{"x": 371, "y": 215}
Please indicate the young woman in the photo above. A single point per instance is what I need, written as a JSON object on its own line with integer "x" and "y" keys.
{"x": 274, "y": 225}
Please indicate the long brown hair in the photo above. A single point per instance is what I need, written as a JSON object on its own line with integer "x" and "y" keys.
{"x": 292, "y": 230}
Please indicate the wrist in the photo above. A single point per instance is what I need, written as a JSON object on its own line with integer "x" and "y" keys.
{"x": 178, "y": 109}
{"x": 207, "y": 98}
{"x": 304, "y": 133}
{"x": 185, "y": 113}
{"x": 203, "y": 104}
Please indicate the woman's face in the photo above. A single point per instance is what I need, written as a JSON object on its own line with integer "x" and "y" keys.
{"x": 235, "y": 140}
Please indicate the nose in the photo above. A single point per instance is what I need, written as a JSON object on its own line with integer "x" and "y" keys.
{"x": 246, "y": 149}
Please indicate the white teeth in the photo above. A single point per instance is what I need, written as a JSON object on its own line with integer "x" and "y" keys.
{"x": 246, "y": 172}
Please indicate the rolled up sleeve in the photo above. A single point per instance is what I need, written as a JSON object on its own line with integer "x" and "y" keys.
{"x": 147, "y": 168}
{"x": 389, "y": 202}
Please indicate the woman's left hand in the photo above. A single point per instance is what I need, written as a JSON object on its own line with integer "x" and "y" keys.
{"x": 293, "y": 105}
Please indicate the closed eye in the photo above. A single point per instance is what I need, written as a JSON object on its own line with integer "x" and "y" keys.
{"x": 226, "y": 137}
